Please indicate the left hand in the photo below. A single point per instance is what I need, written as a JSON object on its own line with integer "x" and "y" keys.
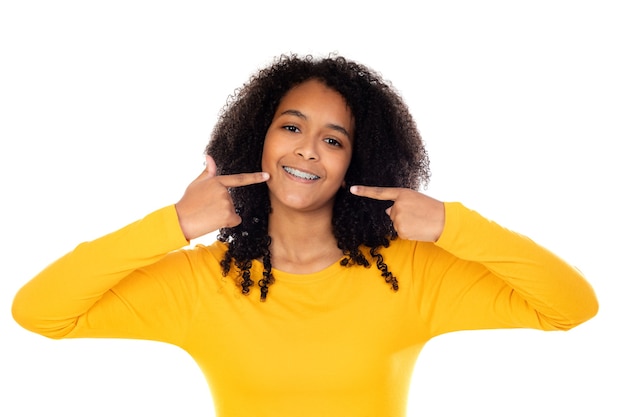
{"x": 415, "y": 216}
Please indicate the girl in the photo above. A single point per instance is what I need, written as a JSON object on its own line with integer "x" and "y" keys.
{"x": 331, "y": 270}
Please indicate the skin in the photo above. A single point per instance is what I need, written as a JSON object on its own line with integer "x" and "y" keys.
{"x": 415, "y": 216}
{"x": 206, "y": 205}
{"x": 312, "y": 132}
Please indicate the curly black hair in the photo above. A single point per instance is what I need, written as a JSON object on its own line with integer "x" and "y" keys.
{"x": 388, "y": 151}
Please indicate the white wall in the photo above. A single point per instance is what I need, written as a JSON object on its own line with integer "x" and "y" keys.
{"x": 105, "y": 108}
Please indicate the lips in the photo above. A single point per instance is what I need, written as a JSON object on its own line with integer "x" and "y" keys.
{"x": 301, "y": 174}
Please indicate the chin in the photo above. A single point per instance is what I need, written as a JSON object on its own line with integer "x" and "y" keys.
{"x": 303, "y": 205}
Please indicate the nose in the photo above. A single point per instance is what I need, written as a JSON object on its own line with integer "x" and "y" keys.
{"x": 307, "y": 149}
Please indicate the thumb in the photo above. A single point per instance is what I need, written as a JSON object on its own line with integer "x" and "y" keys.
{"x": 211, "y": 168}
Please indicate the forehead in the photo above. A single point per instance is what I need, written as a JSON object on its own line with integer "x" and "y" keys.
{"x": 315, "y": 98}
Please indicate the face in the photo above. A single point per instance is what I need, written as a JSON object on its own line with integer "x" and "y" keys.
{"x": 308, "y": 147}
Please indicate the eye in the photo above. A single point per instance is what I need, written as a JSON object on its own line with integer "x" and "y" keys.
{"x": 291, "y": 128}
{"x": 332, "y": 142}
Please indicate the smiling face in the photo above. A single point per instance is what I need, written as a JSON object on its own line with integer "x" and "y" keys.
{"x": 308, "y": 147}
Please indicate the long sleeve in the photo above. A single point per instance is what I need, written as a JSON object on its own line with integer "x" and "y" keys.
{"x": 481, "y": 275}
{"x": 338, "y": 340}
{"x": 55, "y": 301}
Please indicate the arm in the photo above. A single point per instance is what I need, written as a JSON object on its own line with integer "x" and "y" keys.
{"x": 473, "y": 273}
{"x": 57, "y": 299}
{"x": 485, "y": 276}
{"x": 127, "y": 283}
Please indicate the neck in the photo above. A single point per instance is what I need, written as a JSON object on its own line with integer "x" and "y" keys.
{"x": 302, "y": 242}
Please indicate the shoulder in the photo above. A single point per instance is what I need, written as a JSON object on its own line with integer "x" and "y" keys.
{"x": 406, "y": 258}
{"x": 401, "y": 249}
{"x": 216, "y": 249}
{"x": 208, "y": 255}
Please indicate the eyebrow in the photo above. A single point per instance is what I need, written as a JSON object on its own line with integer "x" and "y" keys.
{"x": 333, "y": 126}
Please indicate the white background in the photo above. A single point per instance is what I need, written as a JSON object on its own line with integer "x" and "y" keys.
{"x": 105, "y": 109}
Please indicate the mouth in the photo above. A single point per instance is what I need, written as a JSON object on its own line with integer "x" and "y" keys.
{"x": 301, "y": 174}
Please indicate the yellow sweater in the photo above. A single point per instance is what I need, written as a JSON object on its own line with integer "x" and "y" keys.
{"x": 338, "y": 342}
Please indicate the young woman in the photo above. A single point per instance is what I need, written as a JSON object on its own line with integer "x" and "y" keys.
{"x": 331, "y": 270}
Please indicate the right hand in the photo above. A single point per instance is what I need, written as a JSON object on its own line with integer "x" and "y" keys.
{"x": 207, "y": 206}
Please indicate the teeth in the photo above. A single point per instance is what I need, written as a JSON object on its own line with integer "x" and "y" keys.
{"x": 300, "y": 174}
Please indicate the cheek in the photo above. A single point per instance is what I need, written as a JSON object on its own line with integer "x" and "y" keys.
{"x": 346, "y": 163}
{"x": 274, "y": 148}
{"x": 340, "y": 169}
{"x": 265, "y": 155}
{"x": 263, "y": 161}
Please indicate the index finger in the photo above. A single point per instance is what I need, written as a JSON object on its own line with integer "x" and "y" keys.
{"x": 377, "y": 193}
{"x": 240, "y": 180}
